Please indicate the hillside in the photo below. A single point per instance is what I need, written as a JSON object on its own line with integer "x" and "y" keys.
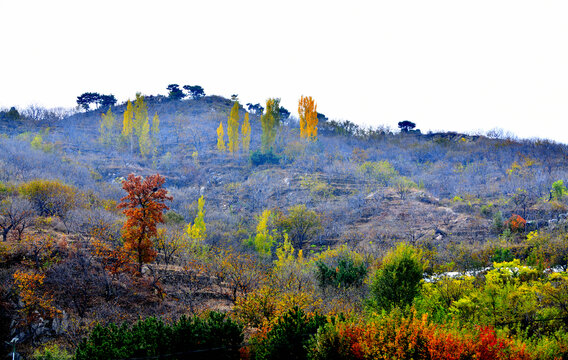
{"x": 350, "y": 192}
{"x": 463, "y": 173}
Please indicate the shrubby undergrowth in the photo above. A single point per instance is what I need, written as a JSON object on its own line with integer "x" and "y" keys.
{"x": 353, "y": 243}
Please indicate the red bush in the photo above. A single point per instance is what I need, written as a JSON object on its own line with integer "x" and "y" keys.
{"x": 516, "y": 223}
{"x": 413, "y": 338}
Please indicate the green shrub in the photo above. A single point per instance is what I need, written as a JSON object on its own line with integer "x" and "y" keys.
{"x": 173, "y": 218}
{"x": 558, "y": 190}
{"x": 152, "y": 337}
{"x": 498, "y": 222}
{"x": 318, "y": 189}
{"x": 346, "y": 274}
{"x": 51, "y": 352}
{"x": 4, "y": 189}
{"x": 397, "y": 282}
{"x": 382, "y": 171}
{"x": 487, "y": 210}
{"x": 330, "y": 344}
{"x": 259, "y": 158}
{"x": 288, "y": 338}
{"x": 502, "y": 255}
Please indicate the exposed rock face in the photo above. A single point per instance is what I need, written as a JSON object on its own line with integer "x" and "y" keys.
{"x": 533, "y": 225}
{"x": 41, "y": 330}
{"x": 59, "y": 325}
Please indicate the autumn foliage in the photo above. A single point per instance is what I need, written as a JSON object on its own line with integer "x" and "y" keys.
{"x": 269, "y": 122}
{"x": 49, "y": 197}
{"x": 516, "y": 223}
{"x": 411, "y": 337}
{"x": 143, "y": 207}
{"x": 36, "y": 303}
{"x": 221, "y": 138}
{"x": 308, "y": 117}
{"x": 245, "y": 134}
{"x": 233, "y": 129}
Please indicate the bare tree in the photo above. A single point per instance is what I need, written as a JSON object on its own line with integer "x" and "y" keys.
{"x": 15, "y": 214}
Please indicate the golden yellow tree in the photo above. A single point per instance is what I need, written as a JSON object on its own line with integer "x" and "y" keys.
{"x": 245, "y": 134}
{"x": 144, "y": 140}
{"x": 263, "y": 241}
{"x": 233, "y": 129}
{"x": 127, "y": 123}
{"x": 155, "y": 133}
{"x": 141, "y": 124}
{"x": 198, "y": 231}
{"x": 107, "y": 127}
{"x": 307, "y": 109}
{"x": 140, "y": 114}
{"x": 220, "y": 137}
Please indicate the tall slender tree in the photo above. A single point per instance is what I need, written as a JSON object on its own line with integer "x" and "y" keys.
{"x": 198, "y": 231}
{"x": 155, "y": 133}
{"x": 233, "y": 129}
{"x": 140, "y": 114}
{"x": 141, "y": 124}
{"x": 245, "y": 134}
{"x": 221, "y": 137}
{"x": 307, "y": 109}
{"x": 107, "y": 127}
{"x": 128, "y": 124}
{"x": 269, "y": 122}
{"x": 144, "y": 139}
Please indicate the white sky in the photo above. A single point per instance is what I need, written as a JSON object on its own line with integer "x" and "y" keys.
{"x": 446, "y": 65}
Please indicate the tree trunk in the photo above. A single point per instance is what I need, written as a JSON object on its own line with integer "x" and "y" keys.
{"x": 5, "y": 232}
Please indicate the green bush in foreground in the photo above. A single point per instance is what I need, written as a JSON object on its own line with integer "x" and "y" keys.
{"x": 346, "y": 274}
{"x": 288, "y": 338}
{"x": 397, "y": 282}
{"x": 51, "y": 352}
{"x": 216, "y": 333}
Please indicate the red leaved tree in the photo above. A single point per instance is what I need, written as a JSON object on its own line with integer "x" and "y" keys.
{"x": 143, "y": 207}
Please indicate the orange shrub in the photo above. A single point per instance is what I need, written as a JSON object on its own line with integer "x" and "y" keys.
{"x": 396, "y": 337}
{"x": 516, "y": 223}
{"x": 36, "y": 304}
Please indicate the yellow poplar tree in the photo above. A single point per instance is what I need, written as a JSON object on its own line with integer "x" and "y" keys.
{"x": 307, "y": 109}
{"x": 233, "y": 129}
{"x": 269, "y": 122}
{"x": 140, "y": 114}
{"x": 107, "y": 127}
{"x": 155, "y": 133}
{"x": 198, "y": 230}
{"x": 245, "y": 134}
{"x": 141, "y": 124}
{"x": 220, "y": 137}
{"x": 144, "y": 140}
{"x": 263, "y": 240}
{"x": 127, "y": 123}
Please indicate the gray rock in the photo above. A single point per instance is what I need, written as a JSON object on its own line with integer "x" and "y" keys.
{"x": 531, "y": 225}
{"x": 60, "y": 324}
{"x": 145, "y": 269}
